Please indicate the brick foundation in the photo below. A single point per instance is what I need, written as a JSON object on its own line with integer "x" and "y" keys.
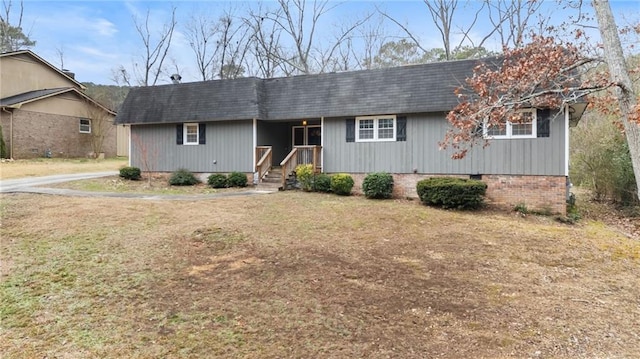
{"x": 539, "y": 193}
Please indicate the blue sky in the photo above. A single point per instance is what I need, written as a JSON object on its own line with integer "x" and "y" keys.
{"x": 98, "y": 36}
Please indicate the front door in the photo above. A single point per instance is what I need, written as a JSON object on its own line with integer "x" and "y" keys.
{"x": 306, "y": 135}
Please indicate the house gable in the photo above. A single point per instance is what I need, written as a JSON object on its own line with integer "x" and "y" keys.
{"x": 24, "y": 71}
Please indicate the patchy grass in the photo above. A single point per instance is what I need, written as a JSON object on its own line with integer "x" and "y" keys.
{"x": 53, "y": 166}
{"x": 158, "y": 185}
{"x": 296, "y": 274}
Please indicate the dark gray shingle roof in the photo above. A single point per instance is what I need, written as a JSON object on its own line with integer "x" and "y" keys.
{"x": 30, "y": 96}
{"x": 192, "y": 102}
{"x": 407, "y": 89}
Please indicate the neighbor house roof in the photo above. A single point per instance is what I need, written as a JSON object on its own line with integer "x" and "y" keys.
{"x": 16, "y": 101}
{"x": 406, "y": 89}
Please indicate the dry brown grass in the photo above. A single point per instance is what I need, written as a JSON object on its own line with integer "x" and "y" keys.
{"x": 54, "y": 166}
{"x": 295, "y": 274}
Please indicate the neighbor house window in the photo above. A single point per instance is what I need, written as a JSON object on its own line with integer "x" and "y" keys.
{"x": 376, "y": 128}
{"x": 85, "y": 125}
{"x": 524, "y": 129}
{"x": 191, "y": 134}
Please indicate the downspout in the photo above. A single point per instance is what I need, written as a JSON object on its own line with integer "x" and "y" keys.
{"x": 4, "y": 109}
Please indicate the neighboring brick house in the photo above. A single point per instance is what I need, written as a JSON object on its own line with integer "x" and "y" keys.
{"x": 44, "y": 111}
{"x": 355, "y": 122}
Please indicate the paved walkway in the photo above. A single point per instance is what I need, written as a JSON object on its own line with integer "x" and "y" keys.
{"x": 30, "y": 185}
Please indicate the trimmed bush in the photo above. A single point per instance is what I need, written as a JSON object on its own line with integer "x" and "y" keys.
{"x": 130, "y": 173}
{"x": 237, "y": 179}
{"x": 183, "y": 177}
{"x": 449, "y": 192}
{"x": 304, "y": 175}
{"x": 341, "y": 184}
{"x": 3, "y": 146}
{"x": 217, "y": 180}
{"x": 321, "y": 183}
{"x": 378, "y": 185}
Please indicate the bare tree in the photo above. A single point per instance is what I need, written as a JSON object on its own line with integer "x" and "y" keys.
{"x": 232, "y": 46}
{"x": 101, "y": 125}
{"x": 508, "y": 20}
{"x": 299, "y": 22}
{"x": 511, "y": 19}
{"x": 155, "y": 51}
{"x": 264, "y": 44}
{"x": 12, "y": 36}
{"x": 373, "y": 36}
{"x": 200, "y": 32}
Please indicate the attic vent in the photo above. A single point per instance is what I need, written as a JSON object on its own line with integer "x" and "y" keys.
{"x": 175, "y": 78}
{"x": 69, "y": 73}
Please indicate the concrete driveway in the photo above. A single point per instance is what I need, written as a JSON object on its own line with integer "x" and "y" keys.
{"x": 31, "y": 185}
{"x": 20, "y": 184}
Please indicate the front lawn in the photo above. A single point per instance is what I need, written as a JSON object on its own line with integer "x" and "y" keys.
{"x": 308, "y": 275}
{"x": 55, "y": 166}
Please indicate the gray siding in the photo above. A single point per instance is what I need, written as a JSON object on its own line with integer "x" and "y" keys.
{"x": 229, "y": 143}
{"x": 539, "y": 156}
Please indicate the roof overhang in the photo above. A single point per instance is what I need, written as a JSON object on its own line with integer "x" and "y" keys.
{"x": 576, "y": 110}
{"x": 17, "y": 101}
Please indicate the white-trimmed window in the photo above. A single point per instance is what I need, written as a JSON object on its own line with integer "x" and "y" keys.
{"x": 191, "y": 134}
{"x": 85, "y": 125}
{"x": 376, "y": 128}
{"x": 524, "y": 129}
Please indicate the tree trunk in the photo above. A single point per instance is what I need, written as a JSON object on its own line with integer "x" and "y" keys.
{"x": 619, "y": 74}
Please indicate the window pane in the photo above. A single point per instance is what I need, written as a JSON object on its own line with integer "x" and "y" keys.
{"x": 365, "y": 129}
{"x": 497, "y": 130}
{"x": 192, "y": 133}
{"x": 385, "y": 128}
{"x": 85, "y": 125}
{"x": 521, "y": 129}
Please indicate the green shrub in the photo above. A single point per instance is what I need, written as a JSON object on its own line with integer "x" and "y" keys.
{"x": 321, "y": 183}
{"x": 600, "y": 160}
{"x": 217, "y": 180}
{"x": 183, "y": 177}
{"x": 3, "y": 146}
{"x": 341, "y": 184}
{"x": 130, "y": 173}
{"x": 304, "y": 175}
{"x": 237, "y": 179}
{"x": 378, "y": 185}
{"x": 449, "y": 192}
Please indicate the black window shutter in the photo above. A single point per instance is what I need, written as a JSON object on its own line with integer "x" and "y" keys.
{"x": 543, "y": 123}
{"x": 351, "y": 129}
{"x": 401, "y": 128}
{"x": 479, "y": 130}
{"x": 202, "y": 132}
{"x": 179, "y": 136}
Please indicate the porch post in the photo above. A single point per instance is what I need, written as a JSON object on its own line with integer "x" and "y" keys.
{"x": 321, "y": 144}
{"x": 255, "y": 143}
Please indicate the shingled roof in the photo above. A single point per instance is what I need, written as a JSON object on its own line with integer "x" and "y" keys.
{"x": 406, "y": 89}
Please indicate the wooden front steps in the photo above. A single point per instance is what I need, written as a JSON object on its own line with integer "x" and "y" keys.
{"x": 272, "y": 181}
